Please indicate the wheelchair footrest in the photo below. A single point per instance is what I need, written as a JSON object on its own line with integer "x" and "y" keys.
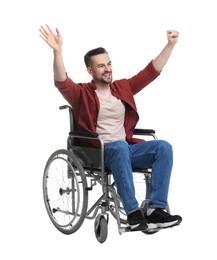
{"x": 146, "y": 231}
{"x": 127, "y": 229}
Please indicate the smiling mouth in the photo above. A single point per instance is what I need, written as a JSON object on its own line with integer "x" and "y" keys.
{"x": 107, "y": 75}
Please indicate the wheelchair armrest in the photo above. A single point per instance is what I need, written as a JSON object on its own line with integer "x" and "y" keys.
{"x": 139, "y": 131}
{"x": 84, "y": 134}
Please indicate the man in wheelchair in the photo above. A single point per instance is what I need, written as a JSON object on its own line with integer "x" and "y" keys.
{"x": 108, "y": 108}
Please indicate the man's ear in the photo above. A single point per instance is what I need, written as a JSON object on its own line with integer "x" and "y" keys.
{"x": 89, "y": 70}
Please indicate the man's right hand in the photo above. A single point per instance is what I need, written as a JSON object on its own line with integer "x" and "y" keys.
{"x": 54, "y": 40}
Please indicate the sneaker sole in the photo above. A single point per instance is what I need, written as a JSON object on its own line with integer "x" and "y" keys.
{"x": 152, "y": 226}
{"x": 165, "y": 225}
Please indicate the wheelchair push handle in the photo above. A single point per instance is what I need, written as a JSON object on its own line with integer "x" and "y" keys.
{"x": 71, "y": 117}
{"x": 64, "y": 107}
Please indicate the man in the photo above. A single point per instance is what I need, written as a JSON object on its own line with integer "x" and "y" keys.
{"x": 109, "y": 108}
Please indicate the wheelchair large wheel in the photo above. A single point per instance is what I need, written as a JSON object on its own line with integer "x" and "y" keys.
{"x": 65, "y": 191}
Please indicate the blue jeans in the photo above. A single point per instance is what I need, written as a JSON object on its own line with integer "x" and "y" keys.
{"x": 121, "y": 157}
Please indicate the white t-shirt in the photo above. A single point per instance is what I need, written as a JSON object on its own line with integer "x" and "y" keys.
{"x": 110, "y": 122}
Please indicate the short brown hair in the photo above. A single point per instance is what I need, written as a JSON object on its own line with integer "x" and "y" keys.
{"x": 93, "y": 52}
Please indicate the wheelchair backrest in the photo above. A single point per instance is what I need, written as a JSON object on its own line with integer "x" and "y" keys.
{"x": 89, "y": 157}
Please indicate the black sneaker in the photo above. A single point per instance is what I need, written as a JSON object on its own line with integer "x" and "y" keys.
{"x": 137, "y": 221}
{"x": 162, "y": 219}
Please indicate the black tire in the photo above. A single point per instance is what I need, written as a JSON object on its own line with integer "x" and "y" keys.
{"x": 101, "y": 228}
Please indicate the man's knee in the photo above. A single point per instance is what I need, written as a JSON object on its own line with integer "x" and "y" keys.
{"x": 165, "y": 145}
{"x": 165, "y": 148}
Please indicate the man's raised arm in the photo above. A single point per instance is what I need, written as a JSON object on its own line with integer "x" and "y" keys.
{"x": 160, "y": 61}
{"x": 54, "y": 40}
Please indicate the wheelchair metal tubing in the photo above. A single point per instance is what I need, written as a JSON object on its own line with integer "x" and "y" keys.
{"x": 101, "y": 147}
{"x": 114, "y": 195}
{"x": 95, "y": 206}
{"x": 70, "y": 176}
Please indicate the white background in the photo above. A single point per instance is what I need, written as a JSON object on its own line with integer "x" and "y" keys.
{"x": 180, "y": 105}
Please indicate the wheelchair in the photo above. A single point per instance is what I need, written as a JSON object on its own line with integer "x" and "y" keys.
{"x": 71, "y": 174}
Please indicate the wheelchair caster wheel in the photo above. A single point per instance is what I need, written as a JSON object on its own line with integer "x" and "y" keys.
{"x": 101, "y": 228}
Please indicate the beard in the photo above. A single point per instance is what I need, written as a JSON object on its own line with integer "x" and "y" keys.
{"x": 106, "y": 78}
{"x": 106, "y": 81}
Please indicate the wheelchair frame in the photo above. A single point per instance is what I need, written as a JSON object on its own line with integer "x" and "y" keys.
{"x": 70, "y": 174}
